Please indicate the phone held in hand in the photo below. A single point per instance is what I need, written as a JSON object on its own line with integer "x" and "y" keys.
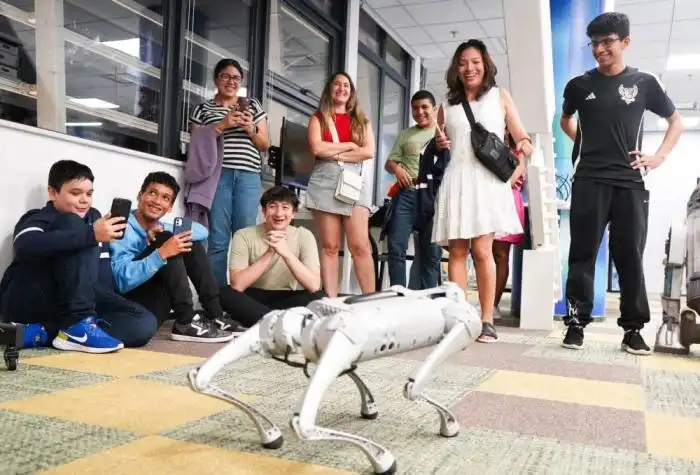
{"x": 121, "y": 207}
{"x": 243, "y": 104}
{"x": 182, "y": 225}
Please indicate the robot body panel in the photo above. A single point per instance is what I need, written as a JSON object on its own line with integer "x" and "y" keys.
{"x": 338, "y": 334}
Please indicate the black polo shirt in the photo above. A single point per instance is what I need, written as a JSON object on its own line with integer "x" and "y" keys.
{"x": 610, "y": 122}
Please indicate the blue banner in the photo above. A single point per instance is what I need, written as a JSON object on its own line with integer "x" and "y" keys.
{"x": 572, "y": 56}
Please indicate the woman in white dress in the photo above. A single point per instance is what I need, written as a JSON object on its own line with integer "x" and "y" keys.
{"x": 473, "y": 205}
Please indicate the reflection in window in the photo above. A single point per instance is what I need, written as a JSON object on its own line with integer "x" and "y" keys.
{"x": 369, "y": 34}
{"x": 298, "y": 51}
{"x": 17, "y": 72}
{"x": 112, "y": 65}
{"x": 368, "y": 79}
{"x": 393, "y": 112}
{"x": 217, "y": 30}
{"x": 396, "y": 57}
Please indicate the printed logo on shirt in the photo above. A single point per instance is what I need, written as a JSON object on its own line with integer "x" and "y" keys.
{"x": 628, "y": 94}
{"x": 591, "y": 96}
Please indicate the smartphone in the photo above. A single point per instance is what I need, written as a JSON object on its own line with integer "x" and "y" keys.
{"x": 243, "y": 104}
{"x": 182, "y": 225}
{"x": 121, "y": 207}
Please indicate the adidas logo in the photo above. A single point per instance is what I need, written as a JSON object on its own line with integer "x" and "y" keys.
{"x": 590, "y": 97}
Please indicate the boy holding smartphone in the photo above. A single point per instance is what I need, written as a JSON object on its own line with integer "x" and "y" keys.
{"x": 59, "y": 283}
{"x": 155, "y": 261}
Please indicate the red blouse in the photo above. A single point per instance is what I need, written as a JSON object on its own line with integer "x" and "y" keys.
{"x": 342, "y": 125}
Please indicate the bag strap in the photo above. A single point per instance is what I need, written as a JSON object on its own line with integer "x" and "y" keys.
{"x": 470, "y": 114}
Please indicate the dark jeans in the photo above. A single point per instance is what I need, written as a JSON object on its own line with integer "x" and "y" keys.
{"x": 169, "y": 289}
{"x": 400, "y": 230}
{"x": 69, "y": 292}
{"x": 593, "y": 206}
{"x": 250, "y": 306}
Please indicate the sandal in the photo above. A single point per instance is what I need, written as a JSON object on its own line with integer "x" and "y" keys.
{"x": 488, "y": 333}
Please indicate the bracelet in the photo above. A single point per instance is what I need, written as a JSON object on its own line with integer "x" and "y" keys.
{"x": 526, "y": 138}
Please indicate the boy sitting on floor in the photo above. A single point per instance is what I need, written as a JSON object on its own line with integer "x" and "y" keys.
{"x": 270, "y": 261}
{"x": 154, "y": 267}
{"x": 60, "y": 282}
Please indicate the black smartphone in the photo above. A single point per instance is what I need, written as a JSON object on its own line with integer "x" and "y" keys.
{"x": 182, "y": 225}
{"x": 243, "y": 104}
{"x": 121, "y": 207}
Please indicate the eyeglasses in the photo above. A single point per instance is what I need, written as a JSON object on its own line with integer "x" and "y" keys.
{"x": 227, "y": 77}
{"x": 607, "y": 42}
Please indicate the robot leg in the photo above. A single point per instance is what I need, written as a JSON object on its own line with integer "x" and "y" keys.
{"x": 463, "y": 331}
{"x": 369, "y": 409}
{"x": 12, "y": 336}
{"x": 689, "y": 328}
{"x": 338, "y": 356}
{"x": 200, "y": 381}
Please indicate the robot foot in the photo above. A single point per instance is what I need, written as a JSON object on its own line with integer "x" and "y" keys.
{"x": 369, "y": 409}
{"x": 668, "y": 339}
{"x": 383, "y": 462}
{"x": 270, "y": 435}
{"x": 449, "y": 427}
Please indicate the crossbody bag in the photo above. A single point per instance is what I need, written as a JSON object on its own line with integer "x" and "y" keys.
{"x": 349, "y": 187}
{"x": 490, "y": 149}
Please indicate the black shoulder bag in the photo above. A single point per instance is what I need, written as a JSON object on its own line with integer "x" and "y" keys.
{"x": 490, "y": 149}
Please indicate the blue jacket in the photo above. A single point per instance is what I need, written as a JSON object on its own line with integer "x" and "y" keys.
{"x": 430, "y": 173}
{"x": 128, "y": 273}
{"x": 44, "y": 234}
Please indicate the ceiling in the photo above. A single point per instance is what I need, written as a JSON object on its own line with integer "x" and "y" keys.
{"x": 660, "y": 29}
{"x": 434, "y": 29}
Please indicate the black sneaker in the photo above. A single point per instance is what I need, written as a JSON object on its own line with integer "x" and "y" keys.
{"x": 227, "y": 324}
{"x": 574, "y": 337}
{"x": 633, "y": 343}
{"x": 200, "y": 330}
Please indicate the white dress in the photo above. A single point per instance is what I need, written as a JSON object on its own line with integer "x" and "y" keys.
{"x": 471, "y": 200}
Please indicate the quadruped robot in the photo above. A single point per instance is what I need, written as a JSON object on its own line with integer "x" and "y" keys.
{"x": 680, "y": 328}
{"x": 338, "y": 334}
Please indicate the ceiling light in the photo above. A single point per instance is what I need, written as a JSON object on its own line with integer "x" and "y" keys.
{"x": 83, "y": 124}
{"x": 688, "y": 122}
{"x": 95, "y": 103}
{"x": 683, "y": 62}
{"x": 132, "y": 46}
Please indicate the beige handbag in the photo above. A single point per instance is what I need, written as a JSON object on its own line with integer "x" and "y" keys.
{"x": 349, "y": 187}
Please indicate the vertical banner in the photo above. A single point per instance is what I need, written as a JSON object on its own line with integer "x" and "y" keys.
{"x": 571, "y": 57}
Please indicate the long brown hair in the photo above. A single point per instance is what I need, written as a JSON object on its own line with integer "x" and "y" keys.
{"x": 358, "y": 119}
{"x": 455, "y": 87}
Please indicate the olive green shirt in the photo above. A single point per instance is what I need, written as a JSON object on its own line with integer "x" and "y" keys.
{"x": 408, "y": 147}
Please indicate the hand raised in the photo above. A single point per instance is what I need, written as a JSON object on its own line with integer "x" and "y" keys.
{"x": 108, "y": 229}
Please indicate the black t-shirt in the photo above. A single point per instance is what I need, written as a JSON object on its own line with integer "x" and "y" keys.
{"x": 610, "y": 121}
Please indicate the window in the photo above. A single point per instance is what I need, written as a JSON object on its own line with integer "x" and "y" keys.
{"x": 384, "y": 70}
{"x": 299, "y": 52}
{"x": 94, "y": 75}
{"x": 215, "y": 30}
{"x": 393, "y": 120}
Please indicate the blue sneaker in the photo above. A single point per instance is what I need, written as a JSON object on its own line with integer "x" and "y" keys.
{"x": 35, "y": 336}
{"x": 86, "y": 336}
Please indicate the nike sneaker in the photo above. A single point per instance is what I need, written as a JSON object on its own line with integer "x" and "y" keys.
{"x": 35, "y": 336}
{"x": 86, "y": 336}
{"x": 200, "y": 330}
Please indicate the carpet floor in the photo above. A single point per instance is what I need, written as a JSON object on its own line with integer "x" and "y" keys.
{"x": 525, "y": 405}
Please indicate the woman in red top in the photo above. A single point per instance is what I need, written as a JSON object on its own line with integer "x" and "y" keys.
{"x": 355, "y": 144}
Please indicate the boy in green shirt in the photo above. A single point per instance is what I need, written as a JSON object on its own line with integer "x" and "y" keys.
{"x": 403, "y": 162}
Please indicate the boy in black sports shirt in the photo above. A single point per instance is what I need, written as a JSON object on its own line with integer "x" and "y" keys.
{"x": 608, "y": 179}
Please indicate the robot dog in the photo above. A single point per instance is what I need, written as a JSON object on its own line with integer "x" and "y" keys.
{"x": 338, "y": 334}
{"x": 680, "y": 327}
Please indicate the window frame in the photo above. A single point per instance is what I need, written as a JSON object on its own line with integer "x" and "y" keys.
{"x": 385, "y": 69}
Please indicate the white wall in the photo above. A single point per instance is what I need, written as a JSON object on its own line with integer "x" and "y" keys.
{"x": 24, "y": 166}
{"x": 670, "y": 186}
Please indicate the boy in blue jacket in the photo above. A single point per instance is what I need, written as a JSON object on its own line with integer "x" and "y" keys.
{"x": 153, "y": 267}
{"x": 60, "y": 276}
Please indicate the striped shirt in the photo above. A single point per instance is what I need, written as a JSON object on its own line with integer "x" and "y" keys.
{"x": 239, "y": 150}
